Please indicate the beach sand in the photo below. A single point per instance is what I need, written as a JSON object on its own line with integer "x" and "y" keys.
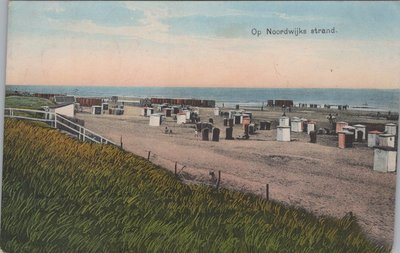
{"x": 318, "y": 177}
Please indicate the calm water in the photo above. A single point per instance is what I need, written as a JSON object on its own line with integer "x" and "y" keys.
{"x": 373, "y": 99}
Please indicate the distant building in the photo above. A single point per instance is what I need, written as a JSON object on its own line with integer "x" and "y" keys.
{"x": 63, "y": 109}
{"x": 64, "y": 99}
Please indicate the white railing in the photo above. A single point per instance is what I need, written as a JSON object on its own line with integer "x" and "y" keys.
{"x": 56, "y": 120}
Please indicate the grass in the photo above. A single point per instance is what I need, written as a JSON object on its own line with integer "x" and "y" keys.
{"x": 61, "y": 195}
{"x": 33, "y": 103}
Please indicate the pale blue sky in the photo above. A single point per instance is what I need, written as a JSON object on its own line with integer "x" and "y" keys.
{"x": 370, "y": 29}
{"x": 367, "y": 20}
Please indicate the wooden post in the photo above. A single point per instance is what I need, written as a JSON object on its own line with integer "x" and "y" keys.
{"x": 219, "y": 179}
{"x": 148, "y": 156}
{"x": 176, "y": 166}
{"x": 121, "y": 144}
{"x": 267, "y": 191}
{"x": 84, "y": 134}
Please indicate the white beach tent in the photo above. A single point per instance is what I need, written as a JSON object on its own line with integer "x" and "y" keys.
{"x": 181, "y": 118}
{"x": 283, "y": 133}
{"x": 155, "y": 119}
{"x": 297, "y": 125}
{"x": 385, "y": 159}
{"x": 391, "y": 128}
{"x": 216, "y": 111}
{"x": 361, "y": 128}
{"x": 283, "y": 121}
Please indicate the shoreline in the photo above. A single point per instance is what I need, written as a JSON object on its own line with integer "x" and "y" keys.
{"x": 231, "y": 96}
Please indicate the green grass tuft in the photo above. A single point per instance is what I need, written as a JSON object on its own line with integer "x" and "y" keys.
{"x": 33, "y": 103}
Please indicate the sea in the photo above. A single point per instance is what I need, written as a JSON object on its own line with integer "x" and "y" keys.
{"x": 358, "y": 99}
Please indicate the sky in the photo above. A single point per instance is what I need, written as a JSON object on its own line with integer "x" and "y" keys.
{"x": 204, "y": 44}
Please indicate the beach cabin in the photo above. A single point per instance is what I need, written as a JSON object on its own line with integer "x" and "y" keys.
{"x": 385, "y": 159}
{"x": 245, "y": 120}
{"x": 283, "y": 121}
{"x": 97, "y": 109}
{"x": 149, "y": 111}
{"x": 161, "y": 107}
{"x": 373, "y": 138}
{"x": 250, "y": 114}
{"x": 361, "y": 128}
{"x": 187, "y": 113}
{"x": 215, "y": 134}
{"x": 265, "y": 125}
{"x": 345, "y": 139}
{"x": 229, "y": 133}
{"x": 64, "y": 99}
{"x": 231, "y": 122}
{"x": 181, "y": 118}
{"x": 118, "y": 111}
{"x": 155, "y": 119}
{"x": 283, "y": 133}
{"x": 252, "y": 129}
{"x": 297, "y": 125}
{"x": 167, "y": 112}
{"x": 64, "y": 109}
{"x": 175, "y": 110}
{"x": 310, "y": 126}
{"x": 242, "y": 116}
{"x": 386, "y": 140}
{"x": 237, "y": 118}
{"x": 350, "y": 129}
{"x": 216, "y": 111}
{"x": 340, "y": 125}
{"x": 196, "y": 110}
{"x": 304, "y": 123}
{"x": 391, "y": 128}
{"x": 104, "y": 106}
{"x": 232, "y": 114}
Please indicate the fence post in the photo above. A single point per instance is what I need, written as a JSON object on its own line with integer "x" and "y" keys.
{"x": 84, "y": 134}
{"x": 55, "y": 120}
{"x": 121, "y": 143}
{"x": 219, "y": 179}
{"x": 267, "y": 191}
{"x": 148, "y": 156}
{"x": 176, "y": 166}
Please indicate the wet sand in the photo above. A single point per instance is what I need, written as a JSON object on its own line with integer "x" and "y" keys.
{"x": 318, "y": 177}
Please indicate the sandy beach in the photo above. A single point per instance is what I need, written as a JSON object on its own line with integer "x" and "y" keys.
{"x": 316, "y": 176}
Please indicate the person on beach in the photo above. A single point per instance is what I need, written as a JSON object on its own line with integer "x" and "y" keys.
{"x": 330, "y": 118}
{"x": 196, "y": 133}
{"x": 166, "y": 130}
